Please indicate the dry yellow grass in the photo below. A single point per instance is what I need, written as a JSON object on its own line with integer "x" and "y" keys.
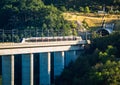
{"x": 93, "y": 20}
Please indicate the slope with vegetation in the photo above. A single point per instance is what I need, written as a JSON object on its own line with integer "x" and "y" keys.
{"x": 111, "y": 6}
{"x": 89, "y": 6}
{"x": 100, "y": 65}
{"x": 93, "y": 20}
{"x": 31, "y": 14}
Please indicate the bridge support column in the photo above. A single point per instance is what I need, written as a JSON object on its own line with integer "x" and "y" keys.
{"x": 27, "y": 69}
{"x": 8, "y": 70}
{"x": 58, "y": 63}
{"x": 44, "y": 68}
{"x": 70, "y": 56}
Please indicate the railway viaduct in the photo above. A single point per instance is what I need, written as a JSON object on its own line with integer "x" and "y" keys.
{"x": 39, "y": 62}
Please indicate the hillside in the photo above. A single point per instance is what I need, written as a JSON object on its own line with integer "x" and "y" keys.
{"x": 94, "y": 5}
{"x": 93, "y": 20}
{"x": 99, "y": 65}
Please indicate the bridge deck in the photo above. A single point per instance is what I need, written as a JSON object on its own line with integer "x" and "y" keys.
{"x": 36, "y": 47}
{"x": 40, "y": 44}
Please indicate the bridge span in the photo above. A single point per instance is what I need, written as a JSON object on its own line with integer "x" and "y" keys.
{"x": 52, "y": 57}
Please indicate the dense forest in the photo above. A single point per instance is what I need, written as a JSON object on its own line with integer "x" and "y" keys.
{"x": 94, "y": 5}
{"x": 26, "y": 18}
{"x": 30, "y": 14}
{"x": 81, "y": 2}
{"x": 99, "y": 65}
{"x": 43, "y": 14}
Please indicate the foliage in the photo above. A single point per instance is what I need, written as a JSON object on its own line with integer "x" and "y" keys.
{"x": 31, "y": 14}
{"x": 87, "y": 10}
{"x": 102, "y": 42}
{"x": 85, "y": 24}
{"x": 62, "y": 8}
{"x": 107, "y": 71}
{"x": 101, "y": 67}
{"x": 81, "y": 9}
{"x": 76, "y": 4}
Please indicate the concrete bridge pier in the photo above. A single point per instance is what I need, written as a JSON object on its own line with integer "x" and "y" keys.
{"x": 58, "y": 63}
{"x": 70, "y": 56}
{"x": 52, "y": 58}
{"x": 27, "y": 69}
{"x": 8, "y": 70}
{"x": 44, "y": 68}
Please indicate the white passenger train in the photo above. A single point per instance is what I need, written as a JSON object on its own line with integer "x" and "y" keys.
{"x": 48, "y": 39}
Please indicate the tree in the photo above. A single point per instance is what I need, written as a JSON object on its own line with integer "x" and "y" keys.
{"x": 87, "y": 10}
{"x": 107, "y": 74}
{"x": 32, "y": 15}
{"x": 100, "y": 67}
{"x": 62, "y": 8}
{"x": 81, "y": 9}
